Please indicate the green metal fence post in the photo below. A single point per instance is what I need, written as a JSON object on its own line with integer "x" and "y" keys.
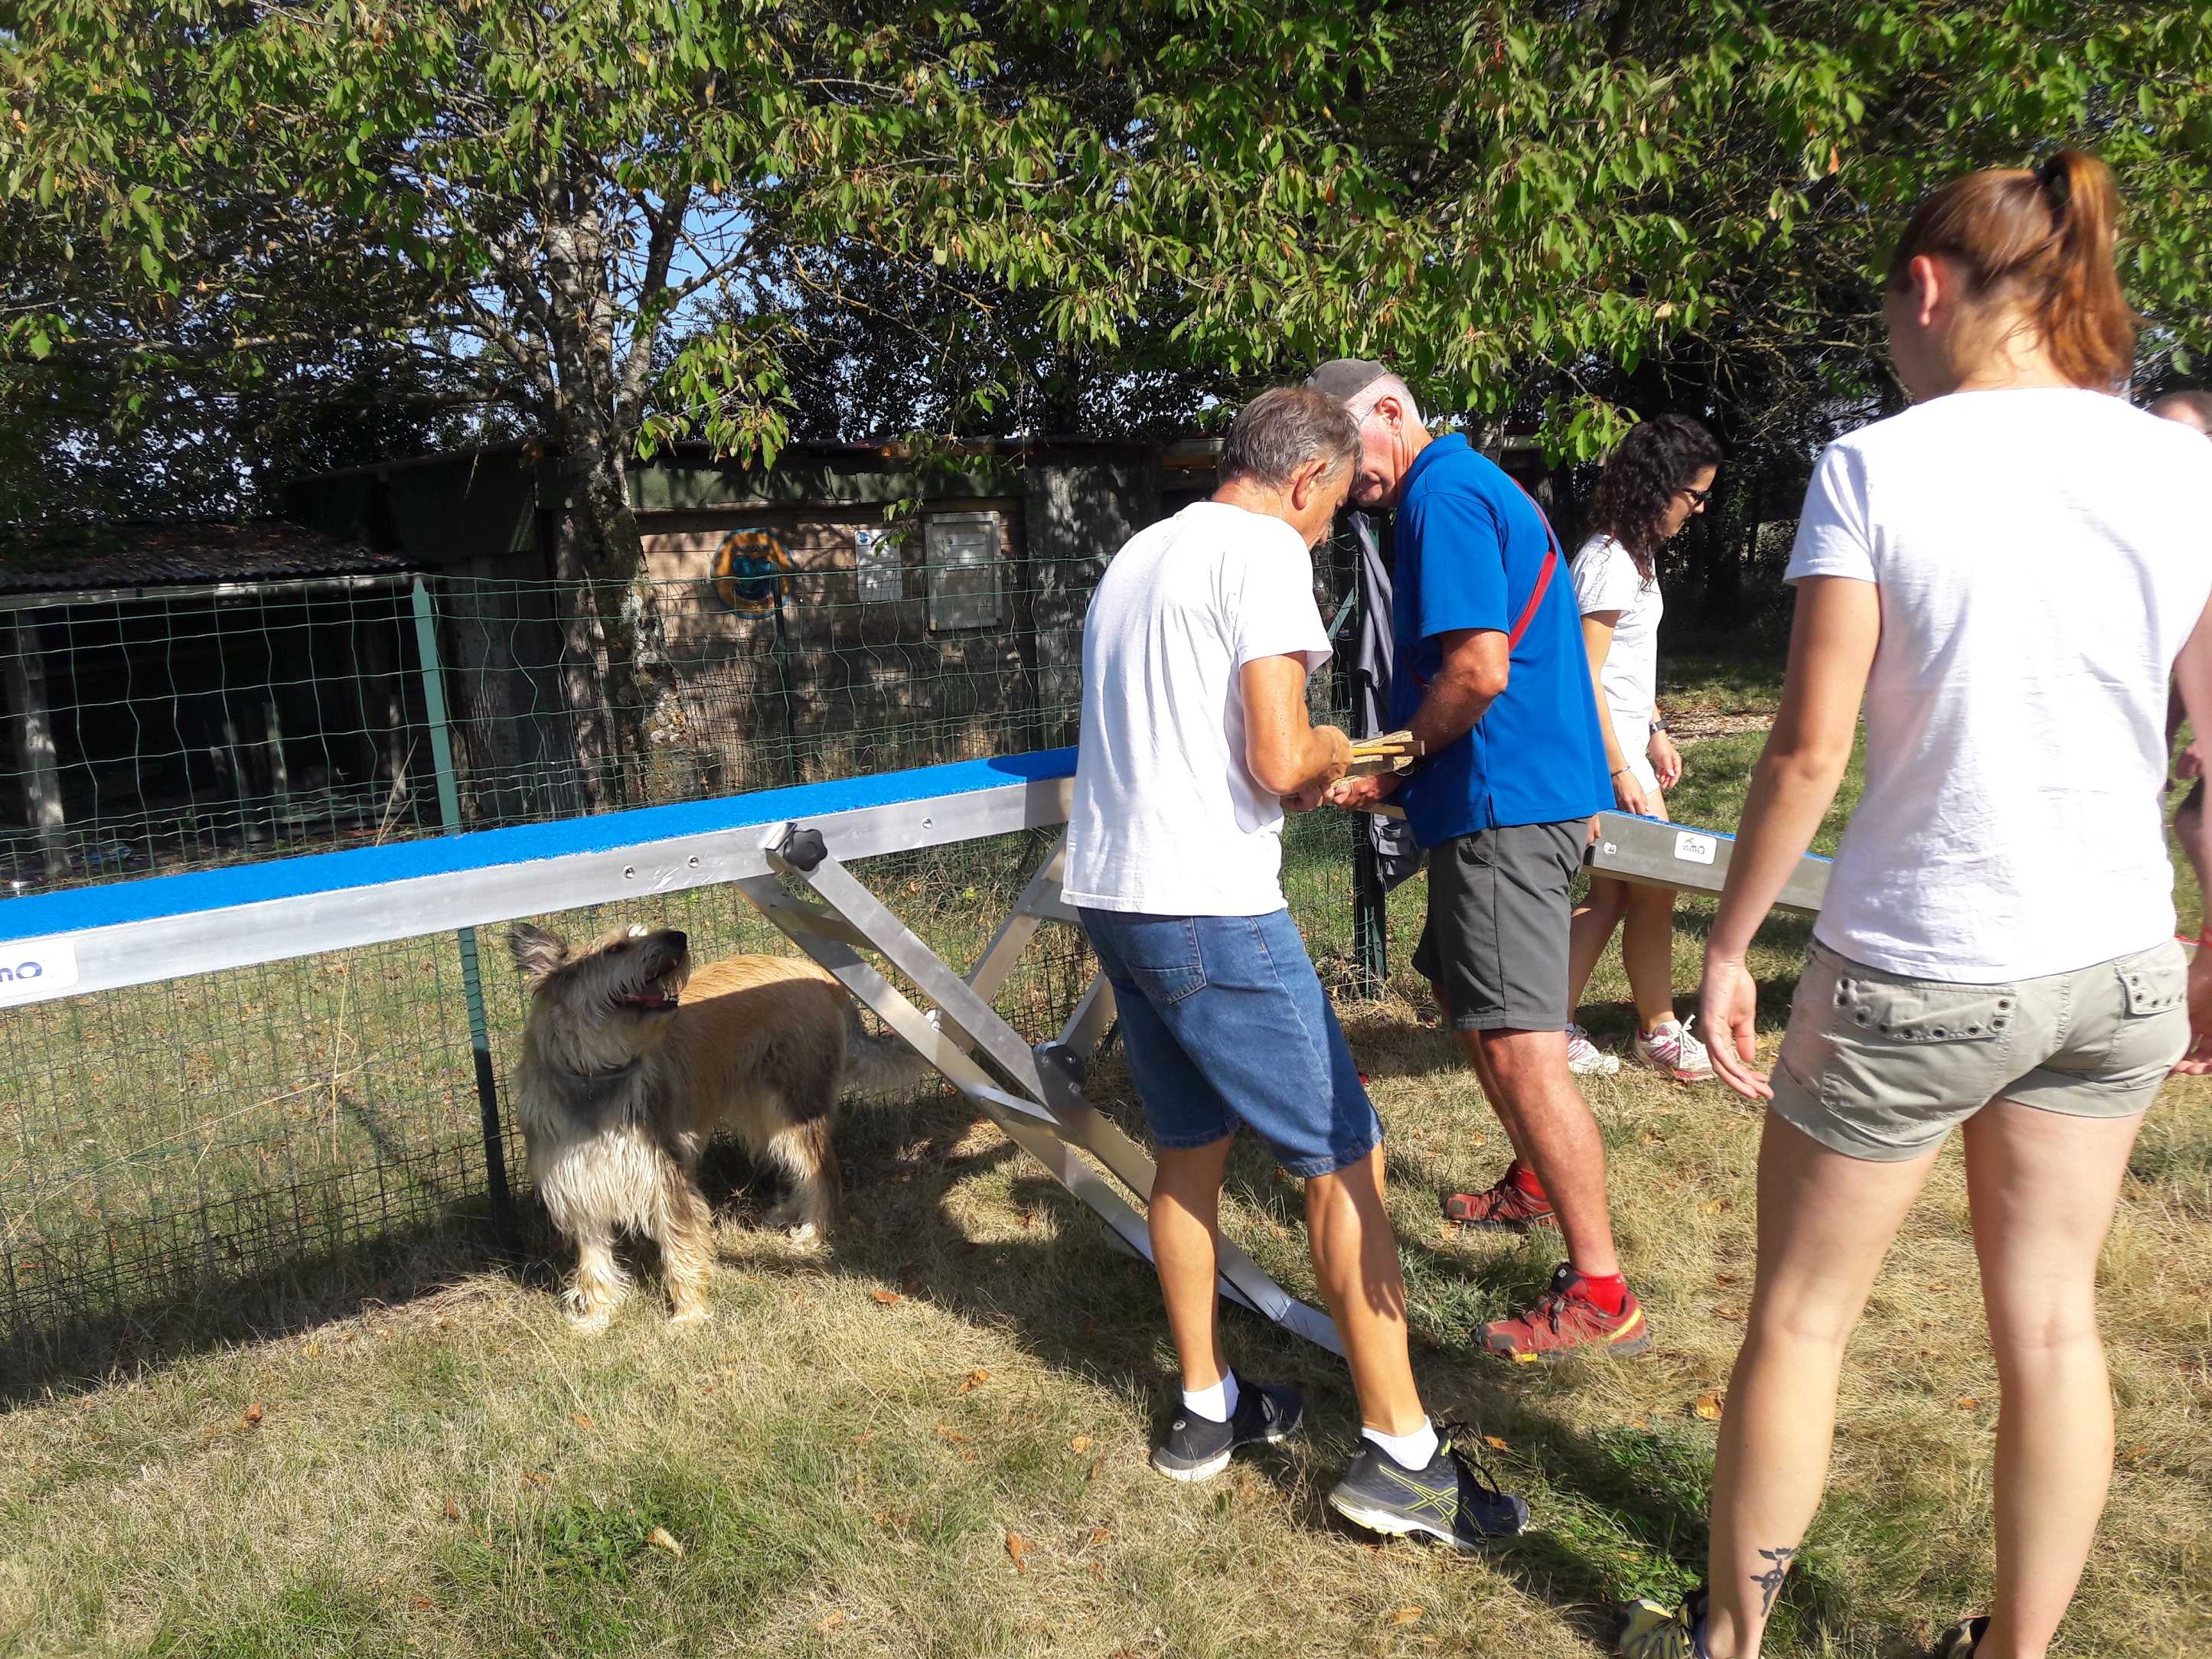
{"x": 449, "y": 817}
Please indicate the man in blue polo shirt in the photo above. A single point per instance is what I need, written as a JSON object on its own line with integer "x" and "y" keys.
{"x": 1492, "y": 680}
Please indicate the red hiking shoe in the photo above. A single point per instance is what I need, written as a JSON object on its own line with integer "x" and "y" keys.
{"x": 1565, "y": 1320}
{"x": 1509, "y": 1206}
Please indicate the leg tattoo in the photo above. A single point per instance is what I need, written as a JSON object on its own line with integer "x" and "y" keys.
{"x": 1770, "y": 1582}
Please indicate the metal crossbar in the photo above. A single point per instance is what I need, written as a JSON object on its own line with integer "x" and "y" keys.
{"x": 1653, "y": 853}
{"x": 1049, "y": 1118}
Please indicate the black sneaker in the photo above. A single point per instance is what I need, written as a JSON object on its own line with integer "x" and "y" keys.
{"x": 1197, "y": 1448}
{"x": 1962, "y": 1639}
{"x": 1454, "y": 1499}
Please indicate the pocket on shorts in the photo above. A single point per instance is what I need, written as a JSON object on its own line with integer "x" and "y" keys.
{"x": 1161, "y": 954}
{"x": 1891, "y": 1058}
{"x": 1879, "y": 1010}
{"x": 2154, "y": 981}
{"x": 2152, "y": 1030}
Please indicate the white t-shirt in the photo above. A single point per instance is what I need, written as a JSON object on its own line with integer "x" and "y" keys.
{"x": 2041, "y": 556}
{"x": 1606, "y": 579}
{"x": 1167, "y": 819}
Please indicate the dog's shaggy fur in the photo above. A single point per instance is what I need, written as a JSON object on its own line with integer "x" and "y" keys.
{"x": 631, "y": 1062}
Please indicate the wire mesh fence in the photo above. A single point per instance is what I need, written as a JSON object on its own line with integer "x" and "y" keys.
{"x": 159, "y": 732}
{"x": 166, "y": 1148}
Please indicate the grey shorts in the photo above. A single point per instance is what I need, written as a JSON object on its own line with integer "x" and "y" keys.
{"x": 1879, "y": 1066}
{"x": 1495, "y": 942}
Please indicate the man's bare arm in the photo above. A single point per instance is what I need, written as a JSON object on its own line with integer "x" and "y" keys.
{"x": 1286, "y": 752}
{"x": 1476, "y": 664}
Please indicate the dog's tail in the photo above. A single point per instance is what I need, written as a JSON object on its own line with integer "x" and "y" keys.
{"x": 879, "y": 1065}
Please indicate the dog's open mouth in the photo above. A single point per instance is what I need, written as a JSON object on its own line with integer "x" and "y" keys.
{"x": 657, "y": 996}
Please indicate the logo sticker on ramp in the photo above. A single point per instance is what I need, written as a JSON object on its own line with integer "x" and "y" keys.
{"x": 1693, "y": 848}
{"x": 33, "y": 969}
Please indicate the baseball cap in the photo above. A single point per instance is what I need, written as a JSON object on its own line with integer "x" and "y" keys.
{"x": 1345, "y": 378}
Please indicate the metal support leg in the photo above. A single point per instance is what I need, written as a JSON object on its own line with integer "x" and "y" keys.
{"x": 1055, "y": 1119}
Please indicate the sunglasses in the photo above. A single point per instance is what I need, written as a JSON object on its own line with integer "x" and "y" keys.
{"x": 1700, "y": 496}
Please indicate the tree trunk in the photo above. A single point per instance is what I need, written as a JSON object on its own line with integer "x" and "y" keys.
{"x": 631, "y": 734}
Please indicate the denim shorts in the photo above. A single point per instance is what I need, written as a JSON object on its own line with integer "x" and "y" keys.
{"x": 1880, "y": 1066}
{"x": 1225, "y": 1022}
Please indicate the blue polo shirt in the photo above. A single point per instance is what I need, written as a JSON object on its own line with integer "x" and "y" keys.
{"x": 1469, "y": 544}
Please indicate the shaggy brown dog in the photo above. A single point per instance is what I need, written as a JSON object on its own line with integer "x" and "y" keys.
{"x": 631, "y": 1062}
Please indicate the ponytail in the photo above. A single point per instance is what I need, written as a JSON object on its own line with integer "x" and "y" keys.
{"x": 2041, "y": 240}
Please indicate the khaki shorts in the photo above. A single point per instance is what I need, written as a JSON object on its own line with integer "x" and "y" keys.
{"x": 1879, "y": 1066}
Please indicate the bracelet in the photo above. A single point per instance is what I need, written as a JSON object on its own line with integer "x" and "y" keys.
{"x": 1617, "y": 771}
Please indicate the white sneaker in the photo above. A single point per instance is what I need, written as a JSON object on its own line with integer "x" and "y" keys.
{"x": 1585, "y": 1058}
{"x": 1672, "y": 1050}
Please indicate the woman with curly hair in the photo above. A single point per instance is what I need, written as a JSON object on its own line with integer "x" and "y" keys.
{"x": 1655, "y": 483}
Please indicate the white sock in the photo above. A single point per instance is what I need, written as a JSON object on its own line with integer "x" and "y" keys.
{"x": 1416, "y": 1451}
{"x": 1217, "y": 1403}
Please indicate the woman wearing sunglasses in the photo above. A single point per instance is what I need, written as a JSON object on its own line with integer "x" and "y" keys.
{"x": 1655, "y": 483}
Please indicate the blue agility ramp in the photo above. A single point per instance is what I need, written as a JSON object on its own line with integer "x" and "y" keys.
{"x": 99, "y": 938}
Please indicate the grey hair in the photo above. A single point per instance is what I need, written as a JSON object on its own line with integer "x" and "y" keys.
{"x": 1362, "y": 403}
{"x": 1282, "y": 430}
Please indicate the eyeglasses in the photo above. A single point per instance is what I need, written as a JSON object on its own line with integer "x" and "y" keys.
{"x": 1700, "y": 496}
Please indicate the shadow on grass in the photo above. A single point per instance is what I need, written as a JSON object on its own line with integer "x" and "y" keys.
{"x": 383, "y": 1269}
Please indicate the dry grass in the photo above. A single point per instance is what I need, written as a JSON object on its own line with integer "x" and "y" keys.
{"x": 844, "y": 1453}
{"x": 848, "y": 1453}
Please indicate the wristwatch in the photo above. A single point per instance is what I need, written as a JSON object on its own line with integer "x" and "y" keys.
{"x": 1660, "y": 725}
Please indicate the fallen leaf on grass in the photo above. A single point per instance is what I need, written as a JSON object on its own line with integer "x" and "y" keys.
{"x": 1940, "y": 1285}
{"x": 1100, "y": 1535}
{"x": 538, "y": 1478}
{"x": 582, "y": 1421}
{"x": 1018, "y": 1548}
{"x": 1967, "y": 1402}
{"x": 661, "y": 1539}
{"x": 831, "y": 1622}
{"x": 1080, "y": 1443}
{"x": 1406, "y": 1616}
{"x": 1494, "y": 1442}
{"x": 1716, "y": 1206}
{"x": 885, "y": 1296}
{"x": 416, "y": 1601}
{"x": 1728, "y": 1313}
{"x": 1709, "y": 1406}
{"x": 453, "y": 1511}
{"x": 1098, "y": 1572}
{"x": 1095, "y": 1468}
{"x": 976, "y": 1379}
{"x": 1724, "y": 1279}
{"x": 957, "y": 1438}
{"x": 1640, "y": 1422}
{"x": 863, "y": 1436}
{"x": 254, "y": 1415}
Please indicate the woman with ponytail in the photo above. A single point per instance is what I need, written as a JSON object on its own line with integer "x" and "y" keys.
{"x": 1655, "y": 483}
{"x": 2003, "y": 574}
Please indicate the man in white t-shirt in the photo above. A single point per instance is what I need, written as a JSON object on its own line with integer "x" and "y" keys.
{"x": 1195, "y": 740}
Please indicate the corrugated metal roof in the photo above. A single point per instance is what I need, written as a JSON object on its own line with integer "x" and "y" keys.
{"x": 60, "y": 558}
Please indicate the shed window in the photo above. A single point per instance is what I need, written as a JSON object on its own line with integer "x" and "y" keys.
{"x": 961, "y": 550}
{"x": 876, "y": 559}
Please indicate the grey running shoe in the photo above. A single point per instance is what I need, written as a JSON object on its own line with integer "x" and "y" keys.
{"x": 1197, "y": 1448}
{"x": 1453, "y": 1498}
